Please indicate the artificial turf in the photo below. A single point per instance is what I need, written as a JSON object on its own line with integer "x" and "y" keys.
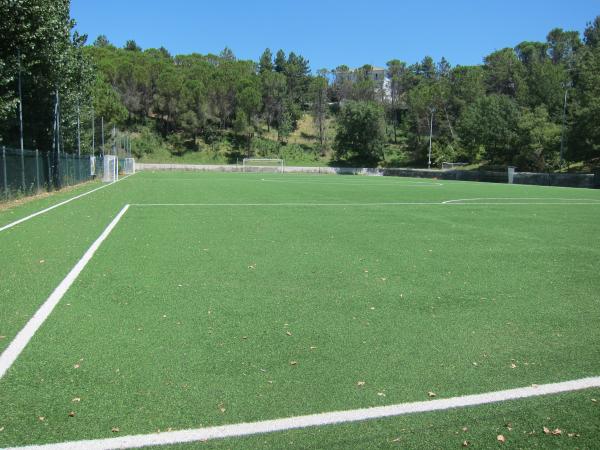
{"x": 270, "y": 303}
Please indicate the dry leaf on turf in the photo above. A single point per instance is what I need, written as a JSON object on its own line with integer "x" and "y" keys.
{"x": 465, "y": 429}
{"x": 222, "y": 407}
{"x": 501, "y": 438}
{"x": 466, "y": 443}
{"x": 76, "y": 366}
{"x": 288, "y": 333}
{"x": 431, "y": 394}
{"x": 513, "y": 366}
{"x": 361, "y": 383}
{"x": 41, "y": 418}
{"x": 76, "y": 400}
{"x": 293, "y": 363}
{"x": 1, "y": 429}
{"x": 556, "y": 432}
{"x": 115, "y": 429}
{"x": 72, "y": 414}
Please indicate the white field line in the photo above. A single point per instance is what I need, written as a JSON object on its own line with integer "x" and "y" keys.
{"x": 18, "y": 344}
{"x": 358, "y": 183}
{"x": 456, "y": 202}
{"x": 287, "y": 204}
{"x": 539, "y": 200}
{"x": 330, "y": 418}
{"x": 24, "y": 219}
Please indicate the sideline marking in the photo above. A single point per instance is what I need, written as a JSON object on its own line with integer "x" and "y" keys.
{"x": 287, "y": 204}
{"x": 456, "y": 202}
{"x": 530, "y": 201}
{"x": 18, "y": 344}
{"x": 330, "y": 418}
{"x": 17, "y": 222}
{"x": 387, "y": 182}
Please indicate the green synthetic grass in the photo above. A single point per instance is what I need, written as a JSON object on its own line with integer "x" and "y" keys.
{"x": 192, "y": 316}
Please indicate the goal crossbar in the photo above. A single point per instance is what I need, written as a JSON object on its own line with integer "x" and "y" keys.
{"x": 262, "y": 164}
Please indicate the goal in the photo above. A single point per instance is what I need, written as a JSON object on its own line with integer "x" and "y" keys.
{"x": 129, "y": 166}
{"x": 452, "y": 165}
{"x": 111, "y": 169}
{"x": 263, "y": 165}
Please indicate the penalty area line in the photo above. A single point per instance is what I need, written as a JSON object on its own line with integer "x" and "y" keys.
{"x": 330, "y": 418}
{"x": 18, "y": 344}
{"x": 43, "y": 211}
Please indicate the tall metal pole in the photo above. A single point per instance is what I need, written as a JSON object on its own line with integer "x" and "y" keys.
{"x": 102, "y": 136}
{"x": 93, "y": 133}
{"x": 21, "y": 123}
{"x": 78, "y": 131}
{"x": 114, "y": 136}
{"x": 430, "y": 137}
{"x": 562, "y": 133}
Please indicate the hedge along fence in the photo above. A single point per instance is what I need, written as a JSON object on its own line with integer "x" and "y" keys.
{"x": 542, "y": 179}
{"x": 30, "y": 172}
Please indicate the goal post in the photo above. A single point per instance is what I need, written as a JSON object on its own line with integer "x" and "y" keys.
{"x": 452, "y": 165}
{"x": 111, "y": 169}
{"x": 263, "y": 165}
{"x": 129, "y": 166}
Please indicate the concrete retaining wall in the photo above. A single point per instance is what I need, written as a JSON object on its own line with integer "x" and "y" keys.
{"x": 542, "y": 179}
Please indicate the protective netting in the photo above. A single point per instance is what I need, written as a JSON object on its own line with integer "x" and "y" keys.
{"x": 30, "y": 172}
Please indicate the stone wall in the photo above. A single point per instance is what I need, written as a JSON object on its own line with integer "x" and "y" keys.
{"x": 542, "y": 179}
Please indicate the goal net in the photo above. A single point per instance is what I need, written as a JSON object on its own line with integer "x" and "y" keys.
{"x": 452, "y": 165}
{"x": 263, "y": 165}
{"x": 111, "y": 169}
{"x": 129, "y": 166}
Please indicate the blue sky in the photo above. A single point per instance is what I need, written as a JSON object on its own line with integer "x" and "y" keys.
{"x": 330, "y": 33}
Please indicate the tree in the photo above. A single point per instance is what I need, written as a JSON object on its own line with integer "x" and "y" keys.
{"x": 504, "y": 73}
{"x": 132, "y": 46}
{"x": 265, "y": 63}
{"x": 274, "y": 89}
{"x": 38, "y": 33}
{"x": 280, "y": 61}
{"x": 361, "y": 132}
{"x": 592, "y": 33}
{"x": 101, "y": 41}
{"x": 538, "y": 141}
{"x": 490, "y": 126}
{"x": 584, "y": 135}
{"x": 563, "y": 45}
{"x": 319, "y": 107}
{"x": 227, "y": 55}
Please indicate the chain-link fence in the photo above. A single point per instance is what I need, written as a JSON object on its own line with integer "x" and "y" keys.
{"x": 30, "y": 172}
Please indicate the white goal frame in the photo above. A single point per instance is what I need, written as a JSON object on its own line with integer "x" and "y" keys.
{"x": 452, "y": 165}
{"x": 111, "y": 169}
{"x": 129, "y": 167}
{"x": 251, "y": 162}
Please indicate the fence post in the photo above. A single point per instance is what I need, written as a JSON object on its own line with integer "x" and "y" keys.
{"x": 49, "y": 179}
{"x": 4, "y": 171}
{"x": 37, "y": 171}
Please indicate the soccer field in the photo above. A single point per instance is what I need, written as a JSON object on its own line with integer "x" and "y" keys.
{"x": 218, "y": 299}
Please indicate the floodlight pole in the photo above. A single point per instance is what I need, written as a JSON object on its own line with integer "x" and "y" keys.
{"x": 102, "y": 136}
{"x": 21, "y": 123}
{"x": 93, "y": 133}
{"x": 564, "y": 124}
{"x": 432, "y": 110}
{"x": 78, "y": 130}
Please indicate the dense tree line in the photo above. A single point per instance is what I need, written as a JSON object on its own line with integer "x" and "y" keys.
{"x": 531, "y": 105}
